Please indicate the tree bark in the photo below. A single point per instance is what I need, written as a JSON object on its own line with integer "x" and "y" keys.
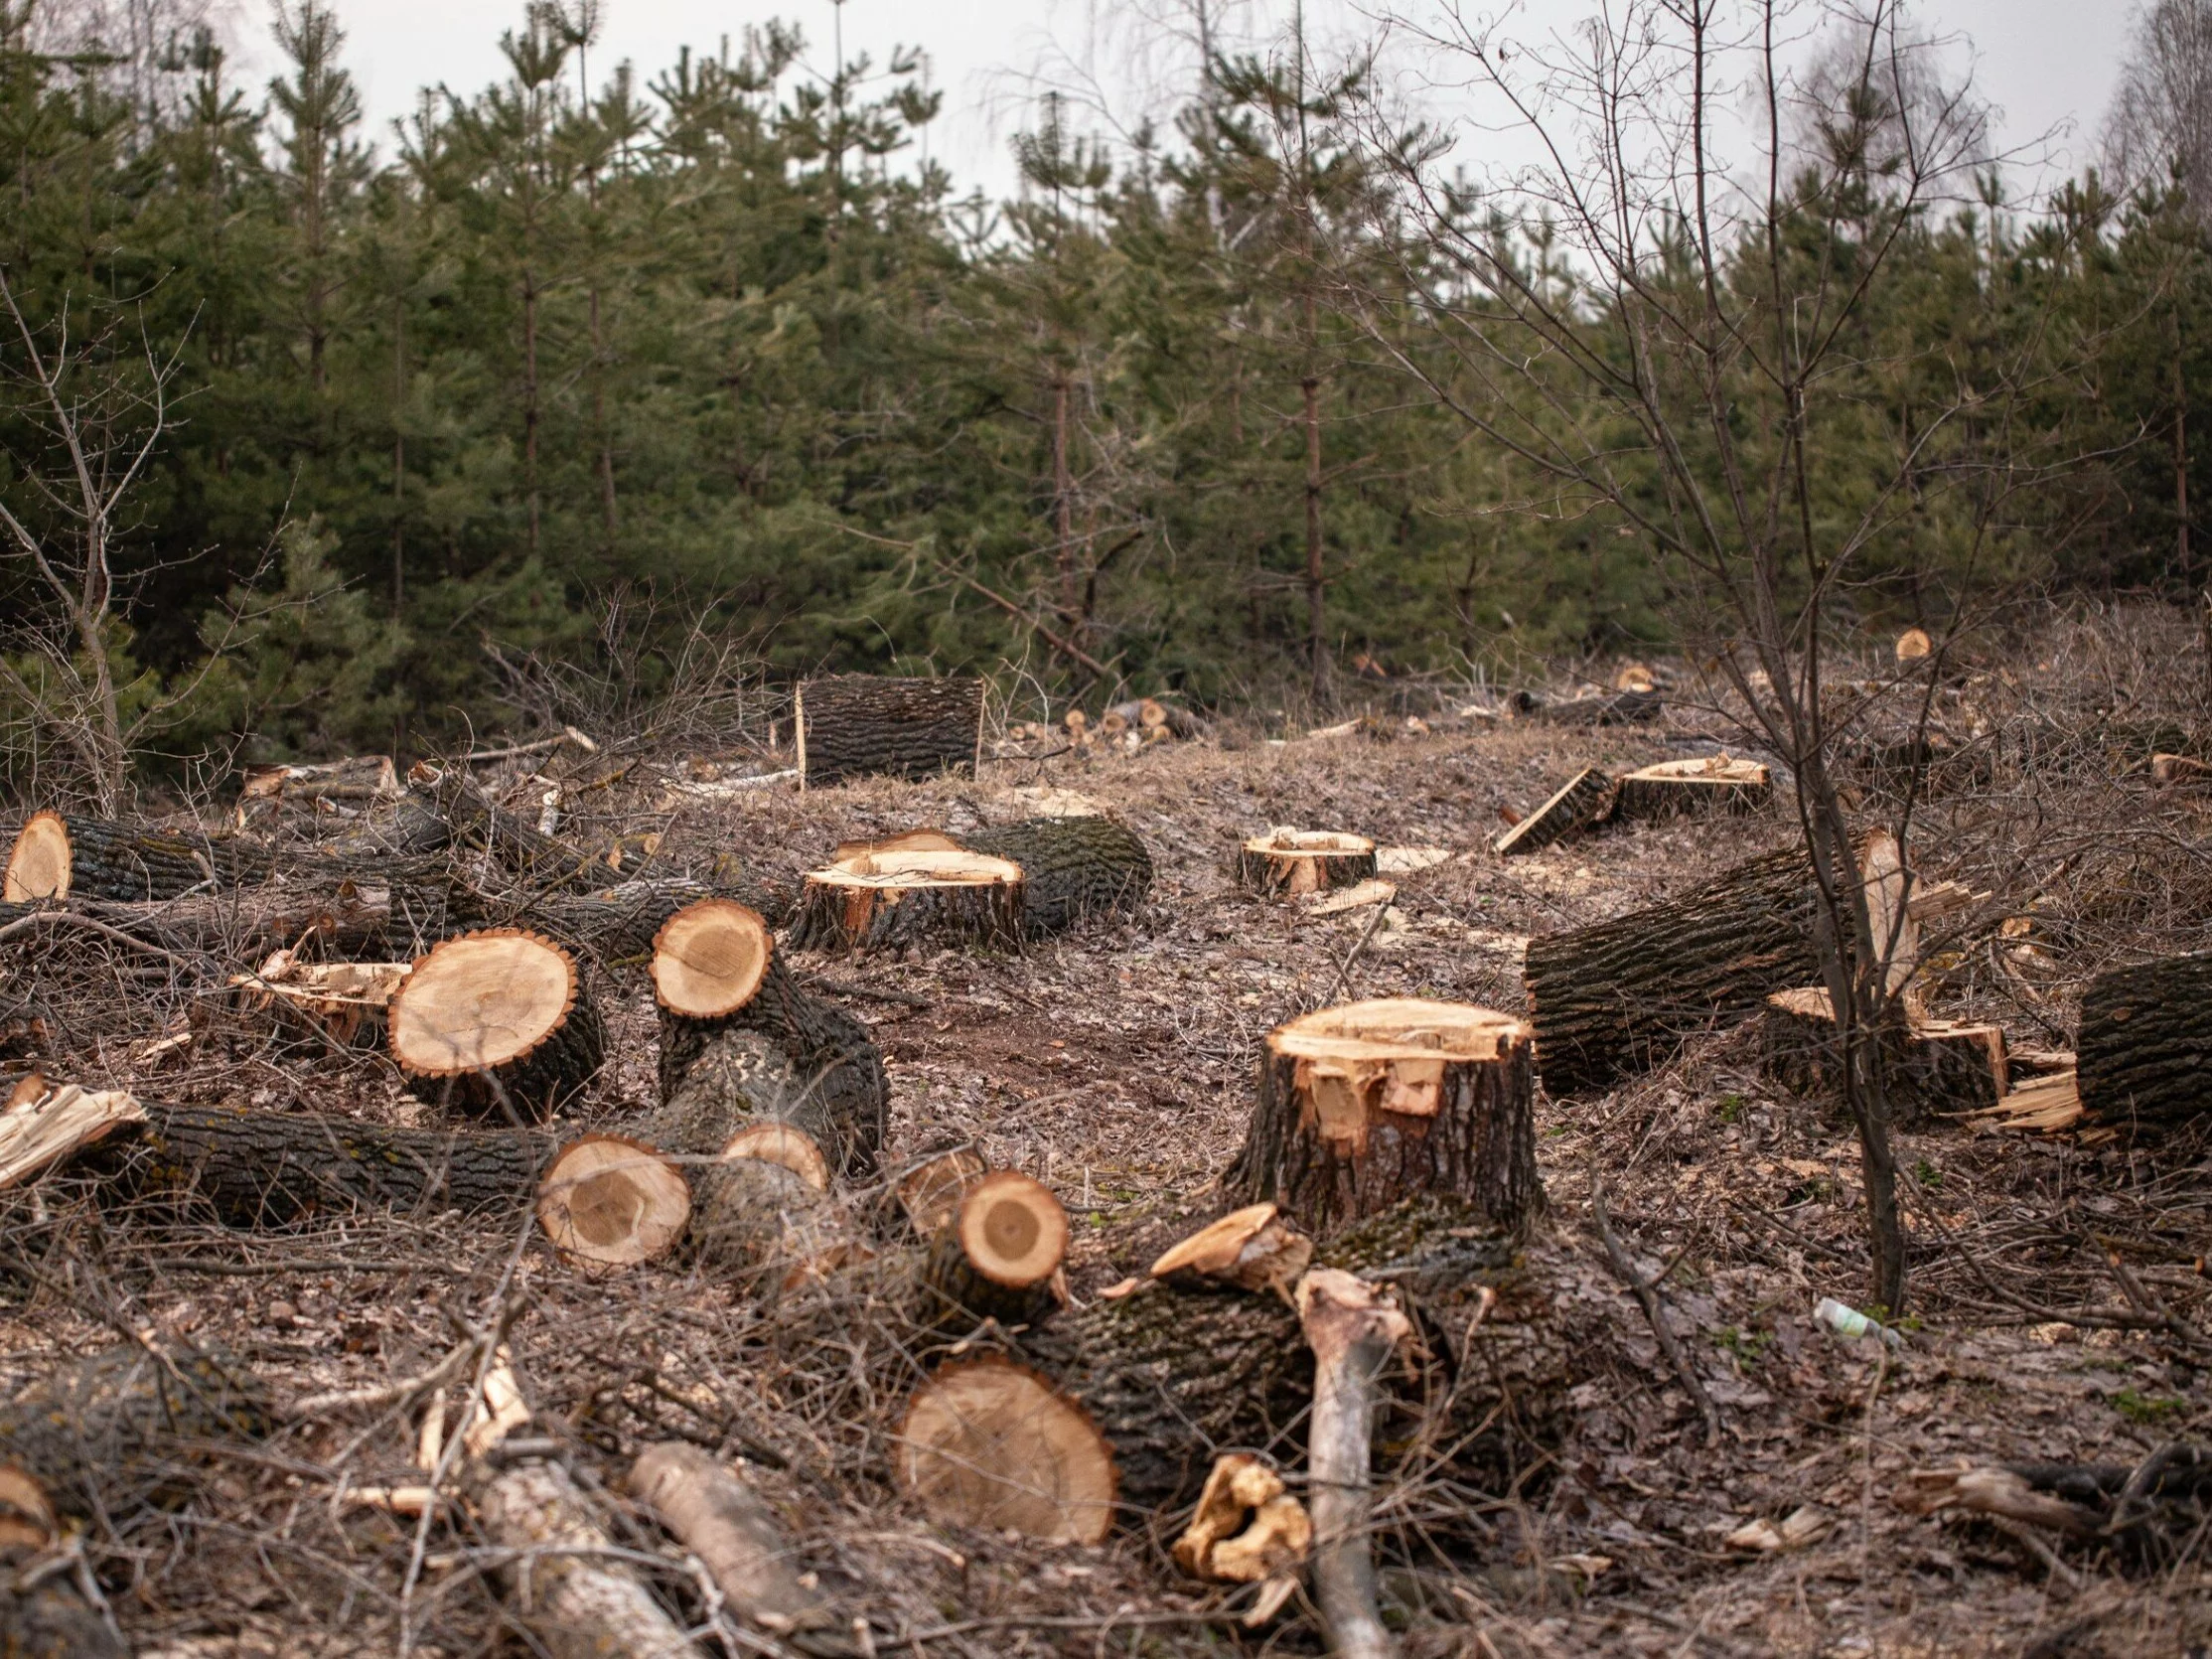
{"x": 498, "y": 1021}
{"x": 1584, "y": 799}
{"x": 876, "y": 901}
{"x": 1300, "y": 861}
{"x": 1936, "y": 1068}
{"x": 859, "y": 725}
{"x": 2145, "y": 1045}
{"x": 1071, "y": 868}
{"x": 57, "y": 856}
{"x": 739, "y": 1539}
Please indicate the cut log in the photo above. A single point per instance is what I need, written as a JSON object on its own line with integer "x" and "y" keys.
{"x": 340, "y": 1003}
{"x": 1937, "y": 1068}
{"x": 513, "y": 841}
{"x": 927, "y": 1192}
{"x": 1693, "y": 788}
{"x": 876, "y": 900}
{"x": 768, "y": 1224}
{"x": 1618, "y": 709}
{"x": 620, "y": 923}
{"x": 856, "y": 725}
{"x": 1294, "y": 862}
{"x": 498, "y": 1015}
{"x": 1251, "y": 1249}
{"x": 43, "y": 1614}
{"x": 609, "y": 1203}
{"x": 358, "y": 778}
{"x": 1248, "y": 1527}
{"x": 58, "y": 857}
{"x": 344, "y": 915}
{"x": 1364, "y": 1104}
{"x": 1584, "y": 799}
{"x": 1913, "y": 645}
{"x": 985, "y": 1442}
{"x": 1073, "y": 869}
{"x": 1354, "y": 1333}
{"x": 738, "y": 1538}
{"x": 2145, "y": 1045}
{"x": 999, "y": 1257}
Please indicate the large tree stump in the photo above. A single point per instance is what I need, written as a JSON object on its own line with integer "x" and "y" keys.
{"x": 854, "y": 726}
{"x": 1624, "y": 995}
{"x": 1937, "y": 1068}
{"x": 58, "y": 857}
{"x": 1582, "y": 799}
{"x": 1298, "y": 861}
{"x": 1071, "y": 868}
{"x": 501, "y": 1020}
{"x": 879, "y": 899}
{"x": 1365, "y": 1104}
{"x": 2144, "y": 1043}
{"x": 1690, "y": 788}
{"x": 998, "y": 1256}
{"x": 741, "y": 1044}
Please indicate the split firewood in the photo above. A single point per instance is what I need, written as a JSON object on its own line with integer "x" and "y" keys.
{"x": 878, "y": 899}
{"x": 45, "y": 1125}
{"x": 56, "y": 857}
{"x": 608, "y": 1202}
{"x": 1251, "y": 1249}
{"x": 742, "y": 1044}
{"x": 1249, "y": 1527}
{"x": 1584, "y": 799}
{"x": 2144, "y": 1043}
{"x": 2146, "y": 1507}
{"x": 854, "y": 726}
{"x": 43, "y": 1612}
{"x": 1937, "y": 1068}
{"x": 987, "y": 1442}
{"x": 1295, "y": 861}
{"x": 1072, "y": 869}
{"x": 500, "y": 1020}
{"x": 738, "y": 1538}
{"x": 1355, "y": 1334}
{"x": 1695, "y": 786}
{"x": 342, "y": 1002}
{"x": 1617, "y": 708}
{"x": 999, "y": 1257}
{"x": 1362, "y": 1106}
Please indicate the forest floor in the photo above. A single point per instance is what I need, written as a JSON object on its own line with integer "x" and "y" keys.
{"x": 1116, "y": 1064}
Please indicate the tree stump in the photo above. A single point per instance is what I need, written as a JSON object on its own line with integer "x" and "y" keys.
{"x": 986, "y": 1443}
{"x": 608, "y": 1202}
{"x": 877, "y": 900}
{"x": 2144, "y": 1043}
{"x": 1582, "y": 799}
{"x": 998, "y": 1258}
{"x": 1299, "y": 862}
{"x": 1693, "y": 788}
{"x": 855, "y": 726}
{"x": 1937, "y": 1068}
{"x": 58, "y": 857}
{"x": 1071, "y": 868}
{"x": 498, "y": 1014}
{"x": 1365, "y": 1104}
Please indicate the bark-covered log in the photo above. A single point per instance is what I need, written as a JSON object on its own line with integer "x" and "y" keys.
{"x": 534, "y": 859}
{"x": 44, "y": 1616}
{"x": 1071, "y": 868}
{"x": 2145, "y": 1044}
{"x": 855, "y": 726}
{"x": 738, "y": 1538}
{"x": 1623, "y": 994}
{"x": 1693, "y": 788}
{"x": 1934, "y": 1068}
{"x": 618, "y": 923}
{"x": 1615, "y": 708}
{"x": 1298, "y": 861}
{"x": 998, "y": 1258}
{"x": 1363, "y": 1106}
{"x": 880, "y": 899}
{"x": 58, "y": 858}
{"x": 1584, "y": 799}
{"x": 499, "y": 1021}
{"x": 1354, "y": 1333}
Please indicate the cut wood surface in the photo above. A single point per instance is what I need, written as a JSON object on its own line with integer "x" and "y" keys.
{"x": 2044, "y": 1104}
{"x": 58, "y": 858}
{"x": 879, "y": 899}
{"x": 1364, "y": 1104}
{"x": 1295, "y": 861}
{"x": 857, "y": 725}
{"x": 739, "y": 1539}
{"x": 2144, "y": 1043}
{"x": 928, "y": 1190}
{"x": 1582, "y": 799}
{"x": 608, "y": 1202}
{"x": 501, "y": 1019}
{"x": 1699, "y": 784}
{"x": 344, "y": 1002}
{"x": 1937, "y": 1068}
{"x": 1074, "y": 868}
{"x": 45, "y": 1125}
{"x": 989, "y": 1443}
{"x": 1251, "y": 1249}
{"x": 710, "y": 959}
{"x": 998, "y": 1258}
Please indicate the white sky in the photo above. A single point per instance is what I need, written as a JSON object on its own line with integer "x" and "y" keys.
{"x": 2048, "y": 65}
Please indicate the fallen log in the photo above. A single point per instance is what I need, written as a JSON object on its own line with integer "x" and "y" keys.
{"x": 879, "y": 899}
{"x": 1936, "y": 1068}
{"x": 43, "y": 1612}
{"x": 1354, "y": 1334}
{"x": 1296, "y": 861}
{"x": 1697, "y": 787}
{"x": 1363, "y": 1106}
{"x": 1615, "y": 708}
{"x": 1071, "y": 868}
{"x": 1584, "y": 799}
{"x": 857, "y": 725}
{"x": 500, "y": 1021}
{"x": 999, "y": 1257}
{"x": 619, "y": 923}
{"x": 738, "y": 1538}
{"x": 56, "y": 857}
{"x": 2143, "y": 1049}
{"x": 927, "y": 1194}
{"x": 534, "y": 859}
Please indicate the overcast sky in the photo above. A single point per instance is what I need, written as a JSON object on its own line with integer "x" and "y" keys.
{"x": 2048, "y": 65}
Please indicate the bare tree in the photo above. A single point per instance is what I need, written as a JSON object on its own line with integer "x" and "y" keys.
{"x": 2160, "y": 123}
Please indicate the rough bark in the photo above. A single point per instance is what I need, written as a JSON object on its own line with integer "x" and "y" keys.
{"x": 44, "y": 1616}
{"x": 1299, "y": 862}
{"x": 921, "y": 898}
{"x": 618, "y": 923}
{"x": 533, "y": 859}
{"x": 59, "y": 856}
{"x": 856, "y": 725}
{"x": 997, "y": 1259}
{"x": 1613, "y": 708}
{"x": 1072, "y": 869}
{"x": 1582, "y": 799}
{"x": 2145, "y": 1046}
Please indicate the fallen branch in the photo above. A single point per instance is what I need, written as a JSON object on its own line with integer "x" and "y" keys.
{"x": 1354, "y": 1334}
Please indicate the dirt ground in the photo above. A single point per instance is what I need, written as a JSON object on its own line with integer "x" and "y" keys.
{"x": 1116, "y": 1064}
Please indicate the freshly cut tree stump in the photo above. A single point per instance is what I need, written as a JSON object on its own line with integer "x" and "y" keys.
{"x": 1937, "y": 1068}
{"x": 58, "y": 857}
{"x": 342, "y": 1002}
{"x": 2145, "y": 1044}
{"x": 1294, "y": 862}
{"x": 1368, "y": 1103}
{"x": 1624, "y": 995}
{"x": 608, "y": 1202}
{"x": 999, "y": 1257}
{"x": 878, "y": 899}
{"x": 1690, "y": 788}
{"x": 1072, "y": 869}
{"x": 1584, "y": 799}
{"x": 741, "y": 1044}
{"x": 855, "y": 726}
{"x": 498, "y": 1014}
{"x": 986, "y": 1443}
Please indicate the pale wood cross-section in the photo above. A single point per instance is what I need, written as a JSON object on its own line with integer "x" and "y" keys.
{"x": 608, "y": 1202}
{"x": 710, "y": 959}
{"x": 989, "y": 1443}
{"x": 39, "y": 865}
{"x": 1299, "y": 862}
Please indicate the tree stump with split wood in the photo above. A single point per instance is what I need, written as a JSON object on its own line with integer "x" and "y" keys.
{"x": 58, "y": 858}
{"x": 499, "y": 1021}
{"x": 1072, "y": 869}
{"x": 1702, "y": 784}
{"x": 1363, "y": 1106}
{"x": 1936, "y": 1068}
{"x": 878, "y": 900}
{"x": 1584, "y": 799}
{"x": 856, "y": 725}
{"x": 2144, "y": 1043}
{"x": 1297, "y": 861}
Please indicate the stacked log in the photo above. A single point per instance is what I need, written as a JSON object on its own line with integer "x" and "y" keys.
{"x": 1584, "y": 799}
{"x": 859, "y": 725}
{"x": 58, "y": 857}
{"x": 2145, "y": 1044}
{"x": 884, "y": 898}
{"x": 1934, "y": 1068}
{"x": 1693, "y": 788}
{"x": 501, "y": 1020}
{"x": 1298, "y": 861}
{"x": 1363, "y": 1106}
{"x": 1073, "y": 869}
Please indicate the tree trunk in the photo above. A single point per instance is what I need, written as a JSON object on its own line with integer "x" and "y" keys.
{"x": 1584, "y": 799}
{"x": 878, "y": 900}
{"x": 58, "y": 857}
{"x": 1298, "y": 861}
{"x": 1364, "y": 1106}
{"x": 1071, "y": 868}
{"x": 739, "y": 1539}
{"x": 998, "y": 1258}
{"x": 1612, "y": 708}
{"x": 856, "y": 725}
{"x": 2145, "y": 1045}
{"x": 500, "y": 1022}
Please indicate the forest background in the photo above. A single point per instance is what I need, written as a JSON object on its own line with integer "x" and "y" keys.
{"x": 614, "y": 373}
